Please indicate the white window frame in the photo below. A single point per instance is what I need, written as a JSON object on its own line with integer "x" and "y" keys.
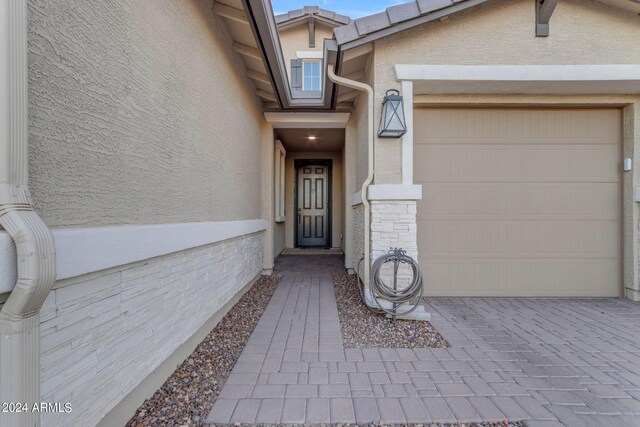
{"x": 307, "y": 61}
{"x": 279, "y": 156}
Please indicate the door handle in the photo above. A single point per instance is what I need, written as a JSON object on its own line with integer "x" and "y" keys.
{"x": 299, "y": 215}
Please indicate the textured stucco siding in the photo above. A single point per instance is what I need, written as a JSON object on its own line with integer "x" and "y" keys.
{"x": 359, "y": 116}
{"x": 278, "y": 238}
{"x": 139, "y": 112}
{"x": 103, "y": 333}
{"x": 358, "y": 236}
{"x": 581, "y": 32}
{"x": 630, "y": 208}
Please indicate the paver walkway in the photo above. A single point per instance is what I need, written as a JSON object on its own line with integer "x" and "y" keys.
{"x": 573, "y": 362}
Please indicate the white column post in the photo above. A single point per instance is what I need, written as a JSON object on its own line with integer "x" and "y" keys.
{"x": 267, "y": 192}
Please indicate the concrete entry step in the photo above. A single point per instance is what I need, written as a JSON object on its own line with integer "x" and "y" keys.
{"x": 312, "y": 251}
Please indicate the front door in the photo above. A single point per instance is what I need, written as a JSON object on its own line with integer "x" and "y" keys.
{"x": 312, "y": 205}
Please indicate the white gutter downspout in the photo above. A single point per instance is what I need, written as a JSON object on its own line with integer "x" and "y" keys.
{"x": 36, "y": 269}
{"x": 365, "y": 185}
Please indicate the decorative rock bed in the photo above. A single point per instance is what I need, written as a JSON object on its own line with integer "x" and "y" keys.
{"x": 189, "y": 393}
{"x": 363, "y": 328}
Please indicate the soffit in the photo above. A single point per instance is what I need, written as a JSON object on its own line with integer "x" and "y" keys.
{"x": 296, "y": 140}
{"x": 238, "y": 30}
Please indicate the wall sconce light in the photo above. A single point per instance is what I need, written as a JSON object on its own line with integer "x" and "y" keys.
{"x": 392, "y": 123}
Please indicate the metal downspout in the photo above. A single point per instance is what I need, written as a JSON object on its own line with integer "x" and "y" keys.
{"x": 36, "y": 269}
{"x": 365, "y": 185}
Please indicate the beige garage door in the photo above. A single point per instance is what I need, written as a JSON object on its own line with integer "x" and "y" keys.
{"x": 519, "y": 202}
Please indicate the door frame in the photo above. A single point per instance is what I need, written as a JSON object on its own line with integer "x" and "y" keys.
{"x": 298, "y": 163}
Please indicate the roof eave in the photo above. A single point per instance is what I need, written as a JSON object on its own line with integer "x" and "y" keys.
{"x": 348, "y": 36}
{"x": 265, "y": 29}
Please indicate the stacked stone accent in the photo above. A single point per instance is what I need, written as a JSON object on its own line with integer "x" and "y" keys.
{"x": 104, "y": 333}
{"x": 393, "y": 224}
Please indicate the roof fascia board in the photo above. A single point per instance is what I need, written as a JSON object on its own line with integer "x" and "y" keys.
{"x": 303, "y": 19}
{"x": 258, "y": 21}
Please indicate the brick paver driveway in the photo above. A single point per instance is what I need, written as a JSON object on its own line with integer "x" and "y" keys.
{"x": 573, "y": 362}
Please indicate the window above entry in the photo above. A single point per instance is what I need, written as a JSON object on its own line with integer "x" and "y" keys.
{"x": 311, "y": 75}
{"x": 306, "y": 74}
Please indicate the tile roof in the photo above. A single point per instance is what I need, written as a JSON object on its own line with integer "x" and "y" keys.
{"x": 419, "y": 10}
{"x": 315, "y": 11}
{"x": 393, "y": 15}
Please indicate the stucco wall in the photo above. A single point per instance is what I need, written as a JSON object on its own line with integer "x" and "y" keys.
{"x": 279, "y": 232}
{"x": 502, "y": 32}
{"x": 361, "y": 125}
{"x": 297, "y": 39}
{"x": 358, "y": 236}
{"x": 104, "y": 333}
{"x": 139, "y": 112}
{"x": 359, "y": 117}
{"x": 337, "y": 204}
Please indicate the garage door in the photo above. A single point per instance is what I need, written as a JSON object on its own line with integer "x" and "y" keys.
{"x": 519, "y": 202}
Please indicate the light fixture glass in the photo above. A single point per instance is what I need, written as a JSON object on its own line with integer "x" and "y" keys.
{"x": 311, "y": 138}
{"x": 392, "y": 123}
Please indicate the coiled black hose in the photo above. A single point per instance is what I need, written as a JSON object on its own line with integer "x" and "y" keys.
{"x": 408, "y": 295}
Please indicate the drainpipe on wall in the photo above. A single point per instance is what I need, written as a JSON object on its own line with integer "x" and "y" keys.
{"x": 365, "y": 185}
{"x": 36, "y": 269}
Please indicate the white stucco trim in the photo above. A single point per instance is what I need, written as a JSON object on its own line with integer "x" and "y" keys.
{"x": 524, "y": 79}
{"x": 407, "y": 138}
{"x": 309, "y": 54}
{"x": 356, "y": 199}
{"x": 307, "y": 120}
{"x": 86, "y": 250}
{"x": 395, "y": 192}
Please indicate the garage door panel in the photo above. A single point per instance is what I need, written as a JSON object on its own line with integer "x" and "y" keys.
{"x": 565, "y": 201}
{"x": 566, "y": 163}
{"x": 445, "y": 162}
{"x": 553, "y": 201}
{"x": 526, "y": 163}
{"x": 479, "y": 126}
{"x": 521, "y": 278}
{"x": 566, "y": 240}
{"x": 465, "y": 278}
{"x": 478, "y": 239}
{"x": 516, "y": 239}
{"x": 519, "y": 202}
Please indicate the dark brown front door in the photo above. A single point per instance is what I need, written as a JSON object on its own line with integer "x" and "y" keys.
{"x": 313, "y": 205}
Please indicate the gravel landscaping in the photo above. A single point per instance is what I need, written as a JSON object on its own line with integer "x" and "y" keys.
{"x": 189, "y": 393}
{"x": 362, "y": 327}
